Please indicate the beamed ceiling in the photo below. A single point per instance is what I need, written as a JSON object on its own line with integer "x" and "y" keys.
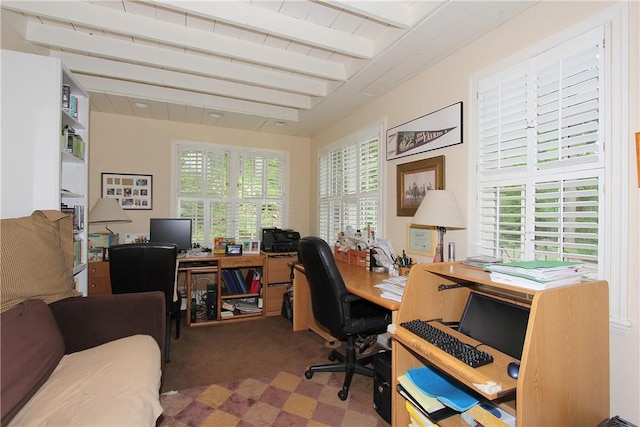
{"x": 290, "y": 67}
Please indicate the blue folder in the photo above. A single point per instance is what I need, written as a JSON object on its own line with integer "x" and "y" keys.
{"x": 435, "y": 384}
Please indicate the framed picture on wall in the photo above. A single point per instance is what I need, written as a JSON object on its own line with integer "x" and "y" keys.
{"x": 413, "y": 181}
{"x": 421, "y": 240}
{"x": 133, "y": 191}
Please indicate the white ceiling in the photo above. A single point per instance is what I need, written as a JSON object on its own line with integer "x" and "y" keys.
{"x": 290, "y": 67}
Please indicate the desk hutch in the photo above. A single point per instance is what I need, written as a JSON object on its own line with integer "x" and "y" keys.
{"x": 564, "y": 372}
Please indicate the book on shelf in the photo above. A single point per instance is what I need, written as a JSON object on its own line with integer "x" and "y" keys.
{"x": 254, "y": 288}
{"x": 66, "y": 93}
{"x": 240, "y": 281}
{"x": 73, "y": 106}
{"x": 248, "y": 279}
{"x": 229, "y": 280}
{"x": 77, "y": 250}
{"x": 77, "y": 215}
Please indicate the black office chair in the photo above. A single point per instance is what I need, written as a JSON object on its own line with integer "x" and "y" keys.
{"x": 345, "y": 315}
{"x": 144, "y": 267}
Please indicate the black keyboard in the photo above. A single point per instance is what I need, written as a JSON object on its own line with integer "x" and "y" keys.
{"x": 448, "y": 343}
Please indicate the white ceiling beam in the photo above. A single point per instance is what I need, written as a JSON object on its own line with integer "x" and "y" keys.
{"x": 268, "y": 22}
{"x": 163, "y": 94}
{"x": 395, "y": 13}
{"x": 48, "y": 35}
{"x": 107, "y": 19}
{"x": 138, "y": 73}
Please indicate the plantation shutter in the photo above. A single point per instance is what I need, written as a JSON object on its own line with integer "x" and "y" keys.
{"x": 540, "y": 156}
{"x": 349, "y": 185}
{"x": 229, "y": 193}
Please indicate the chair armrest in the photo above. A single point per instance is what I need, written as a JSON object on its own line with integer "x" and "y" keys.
{"x": 86, "y": 322}
{"x": 351, "y": 298}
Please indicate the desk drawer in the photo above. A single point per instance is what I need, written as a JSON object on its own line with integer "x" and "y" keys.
{"x": 100, "y": 286}
{"x": 99, "y": 269}
{"x": 242, "y": 261}
{"x": 278, "y": 270}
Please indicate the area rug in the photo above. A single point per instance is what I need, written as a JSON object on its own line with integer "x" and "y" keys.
{"x": 281, "y": 399}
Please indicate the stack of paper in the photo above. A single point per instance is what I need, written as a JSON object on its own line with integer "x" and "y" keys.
{"x": 537, "y": 275}
{"x": 393, "y": 287}
{"x": 246, "y": 306}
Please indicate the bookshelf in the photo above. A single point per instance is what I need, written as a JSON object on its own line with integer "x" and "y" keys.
{"x": 564, "y": 372}
{"x": 38, "y": 172}
{"x": 203, "y": 275}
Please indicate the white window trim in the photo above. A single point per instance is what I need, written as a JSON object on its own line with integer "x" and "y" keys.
{"x": 616, "y": 182}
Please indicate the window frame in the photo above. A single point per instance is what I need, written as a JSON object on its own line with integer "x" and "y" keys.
{"x": 354, "y": 139}
{"x": 234, "y": 172}
{"x": 616, "y": 171}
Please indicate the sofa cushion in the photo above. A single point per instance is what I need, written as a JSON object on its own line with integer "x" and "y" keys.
{"x": 31, "y": 347}
{"x": 114, "y": 384}
{"x": 36, "y": 254}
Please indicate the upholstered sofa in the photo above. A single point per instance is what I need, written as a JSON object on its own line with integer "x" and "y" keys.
{"x": 66, "y": 359}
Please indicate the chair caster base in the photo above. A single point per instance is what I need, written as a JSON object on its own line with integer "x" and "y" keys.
{"x": 308, "y": 374}
{"x": 342, "y": 394}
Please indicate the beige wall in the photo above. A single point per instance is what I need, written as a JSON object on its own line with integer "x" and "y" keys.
{"x": 448, "y": 82}
{"x": 121, "y": 144}
{"x": 129, "y": 145}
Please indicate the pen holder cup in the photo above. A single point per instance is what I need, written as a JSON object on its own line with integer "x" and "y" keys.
{"x": 404, "y": 271}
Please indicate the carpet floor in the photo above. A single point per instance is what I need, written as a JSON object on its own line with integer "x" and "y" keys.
{"x": 279, "y": 400}
{"x": 251, "y": 374}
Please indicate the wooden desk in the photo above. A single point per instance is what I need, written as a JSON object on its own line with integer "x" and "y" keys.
{"x": 359, "y": 281}
{"x": 214, "y": 266}
{"x": 564, "y": 369}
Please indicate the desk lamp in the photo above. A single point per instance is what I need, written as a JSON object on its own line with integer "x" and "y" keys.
{"x": 439, "y": 209}
{"x": 107, "y": 211}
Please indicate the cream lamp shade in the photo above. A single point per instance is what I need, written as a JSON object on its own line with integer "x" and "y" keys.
{"x": 439, "y": 209}
{"x": 107, "y": 211}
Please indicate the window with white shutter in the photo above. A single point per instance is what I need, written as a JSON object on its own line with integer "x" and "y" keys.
{"x": 229, "y": 192}
{"x": 349, "y": 185}
{"x": 540, "y": 165}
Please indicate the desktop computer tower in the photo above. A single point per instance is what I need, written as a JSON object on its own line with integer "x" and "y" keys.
{"x": 212, "y": 302}
{"x": 382, "y": 384}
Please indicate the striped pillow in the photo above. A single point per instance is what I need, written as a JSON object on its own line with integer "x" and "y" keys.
{"x": 36, "y": 254}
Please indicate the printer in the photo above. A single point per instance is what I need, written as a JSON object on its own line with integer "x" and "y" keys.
{"x": 278, "y": 240}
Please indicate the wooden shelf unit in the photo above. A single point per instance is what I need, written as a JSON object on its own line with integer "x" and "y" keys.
{"x": 37, "y": 171}
{"x": 212, "y": 266}
{"x": 564, "y": 371}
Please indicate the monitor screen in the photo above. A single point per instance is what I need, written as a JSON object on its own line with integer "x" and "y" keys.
{"x": 171, "y": 230}
{"x": 499, "y": 324}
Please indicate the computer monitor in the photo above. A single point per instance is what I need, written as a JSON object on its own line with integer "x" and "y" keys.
{"x": 171, "y": 230}
{"x": 497, "y": 323}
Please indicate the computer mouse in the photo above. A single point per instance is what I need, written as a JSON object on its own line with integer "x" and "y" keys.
{"x": 513, "y": 369}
